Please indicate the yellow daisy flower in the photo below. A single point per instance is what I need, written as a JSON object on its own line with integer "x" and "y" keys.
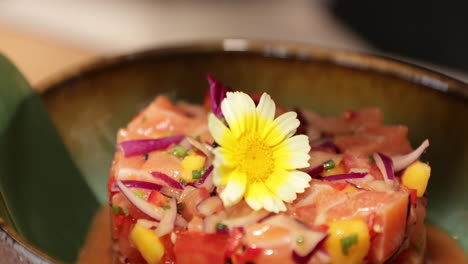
{"x": 258, "y": 156}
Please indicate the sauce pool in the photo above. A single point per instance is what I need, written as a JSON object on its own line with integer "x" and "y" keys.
{"x": 97, "y": 248}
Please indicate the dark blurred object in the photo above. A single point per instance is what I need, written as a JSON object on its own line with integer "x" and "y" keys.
{"x": 432, "y": 31}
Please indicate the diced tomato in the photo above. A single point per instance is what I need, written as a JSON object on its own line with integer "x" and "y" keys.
{"x": 413, "y": 196}
{"x": 126, "y": 247}
{"x": 117, "y": 222}
{"x": 234, "y": 241}
{"x": 201, "y": 248}
{"x": 169, "y": 255}
{"x": 157, "y": 198}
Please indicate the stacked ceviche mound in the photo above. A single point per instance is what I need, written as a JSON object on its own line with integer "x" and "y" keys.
{"x": 241, "y": 180}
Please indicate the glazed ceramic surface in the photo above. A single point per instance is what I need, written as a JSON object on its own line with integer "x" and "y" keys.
{"x": 56, "y": 151}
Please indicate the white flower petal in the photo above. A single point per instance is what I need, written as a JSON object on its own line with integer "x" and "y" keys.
{"x": 221, "y": 134}
{"x": 283, "y": 127}
{"x": 235, "y": 188}
{"x": 238, "y": 110}
{"x": 293, "y": 153}
{"x": 266, "y": 107}
{"x": 221, "y": 175}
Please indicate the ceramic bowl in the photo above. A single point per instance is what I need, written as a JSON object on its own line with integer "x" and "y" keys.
{"x": 57, "y": 147}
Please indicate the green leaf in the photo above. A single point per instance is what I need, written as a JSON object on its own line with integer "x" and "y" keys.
{"x": 33, "y": 162}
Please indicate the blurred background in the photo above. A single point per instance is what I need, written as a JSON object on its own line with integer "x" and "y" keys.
{"x": 47, "y": 37}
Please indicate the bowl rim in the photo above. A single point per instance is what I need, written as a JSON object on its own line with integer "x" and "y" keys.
{"x": 366, "y": 61}
{"x": 277, "y": 49}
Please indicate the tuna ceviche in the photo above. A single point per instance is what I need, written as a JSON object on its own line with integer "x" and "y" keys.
{"x": 240, "y": 179}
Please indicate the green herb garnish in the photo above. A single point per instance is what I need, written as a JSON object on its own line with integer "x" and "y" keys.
{"x": 115, "y": 209}
{"x": 182, "y": 181}
{"x": 179, "y": 151}
{"x": 166, "y": 207}
{"x": 125, "y": 212}
{"x": 221, "y": 226}
{"x": 197, "y": 174}
{"x": 329, "y": 165}
{"x": 198, "y": 138}
{"x": 139, "y": 194}
{"x": 347, "y": 242}
{"x": 371, "y": 159}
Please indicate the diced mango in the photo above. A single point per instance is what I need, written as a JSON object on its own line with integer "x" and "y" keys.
{"x": 191, "y": 163}
{"x": 147, "y": 243}
{"x": 348, "y": 241}
{"x": 338, "y": 169}
{"x": 349, "y": 189}
{"x": 416, "y": 176}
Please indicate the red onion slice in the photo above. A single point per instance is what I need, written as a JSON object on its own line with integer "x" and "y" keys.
{"x": 401, "y": 162}
{"x": 166, "y": 225}
{"x": 217, "y": 94}
{"x": 165, "y": 178}
{"x": 210, "y": 206}
{"x": 205, "y": 175}
{"x": 385, "y": 166}
{"x": 346, "y": 176}
{"x": 142, "y": 185}
{"x": 314, "y": 172}
{"x": 150, "y": 210}
{"x": 310, "y": 238}
{"x": 143, "y": 146}
{"x": 204, "y": 148}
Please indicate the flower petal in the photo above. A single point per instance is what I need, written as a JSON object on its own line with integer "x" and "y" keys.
{"x": 221, "y": 175}
{"x": 235, "y": 188}
{"x": 258, "y": 196}
{"x": 293, "y": 153}
{"x": 283, "y": 127}
{"x": 266, "y": 109}
{"x": 224, "y": 157}
{"x": 221, "y": 134}
{"x": 239, "y": 111}
{"x": 285, "y": 185}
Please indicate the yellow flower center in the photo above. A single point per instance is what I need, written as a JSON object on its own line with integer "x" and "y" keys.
{"x": 254, "y": 158}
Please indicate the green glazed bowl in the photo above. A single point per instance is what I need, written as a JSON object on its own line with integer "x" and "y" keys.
{"x": 56, "y": 147}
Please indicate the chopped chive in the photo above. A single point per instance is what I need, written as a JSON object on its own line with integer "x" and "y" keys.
{"x": 347, "y": 242}
{"x": 115, "y": 209}
{"x": 169, "y": 134}
{"x": 179, "y": 151}
{"x": 166, "y": 207}
{"x": 198, "y": 138}
{"x": 371, "y": 159}
{"x": 300, "y": 240}
{"x": 139, "y": 194}
{"x": 329, "y": 165}
{"x": 125, "y": 212}
{"x": 197, "y": 174}
{"x": 146, "y": 156}
{"x": 221, "y": 226}
{"x": 182, "y": 181}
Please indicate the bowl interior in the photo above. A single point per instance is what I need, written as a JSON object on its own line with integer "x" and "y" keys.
{"x": 89, "y": 107}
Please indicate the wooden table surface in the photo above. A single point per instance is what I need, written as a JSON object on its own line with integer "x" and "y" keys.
{"x": 39, "y": 57}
